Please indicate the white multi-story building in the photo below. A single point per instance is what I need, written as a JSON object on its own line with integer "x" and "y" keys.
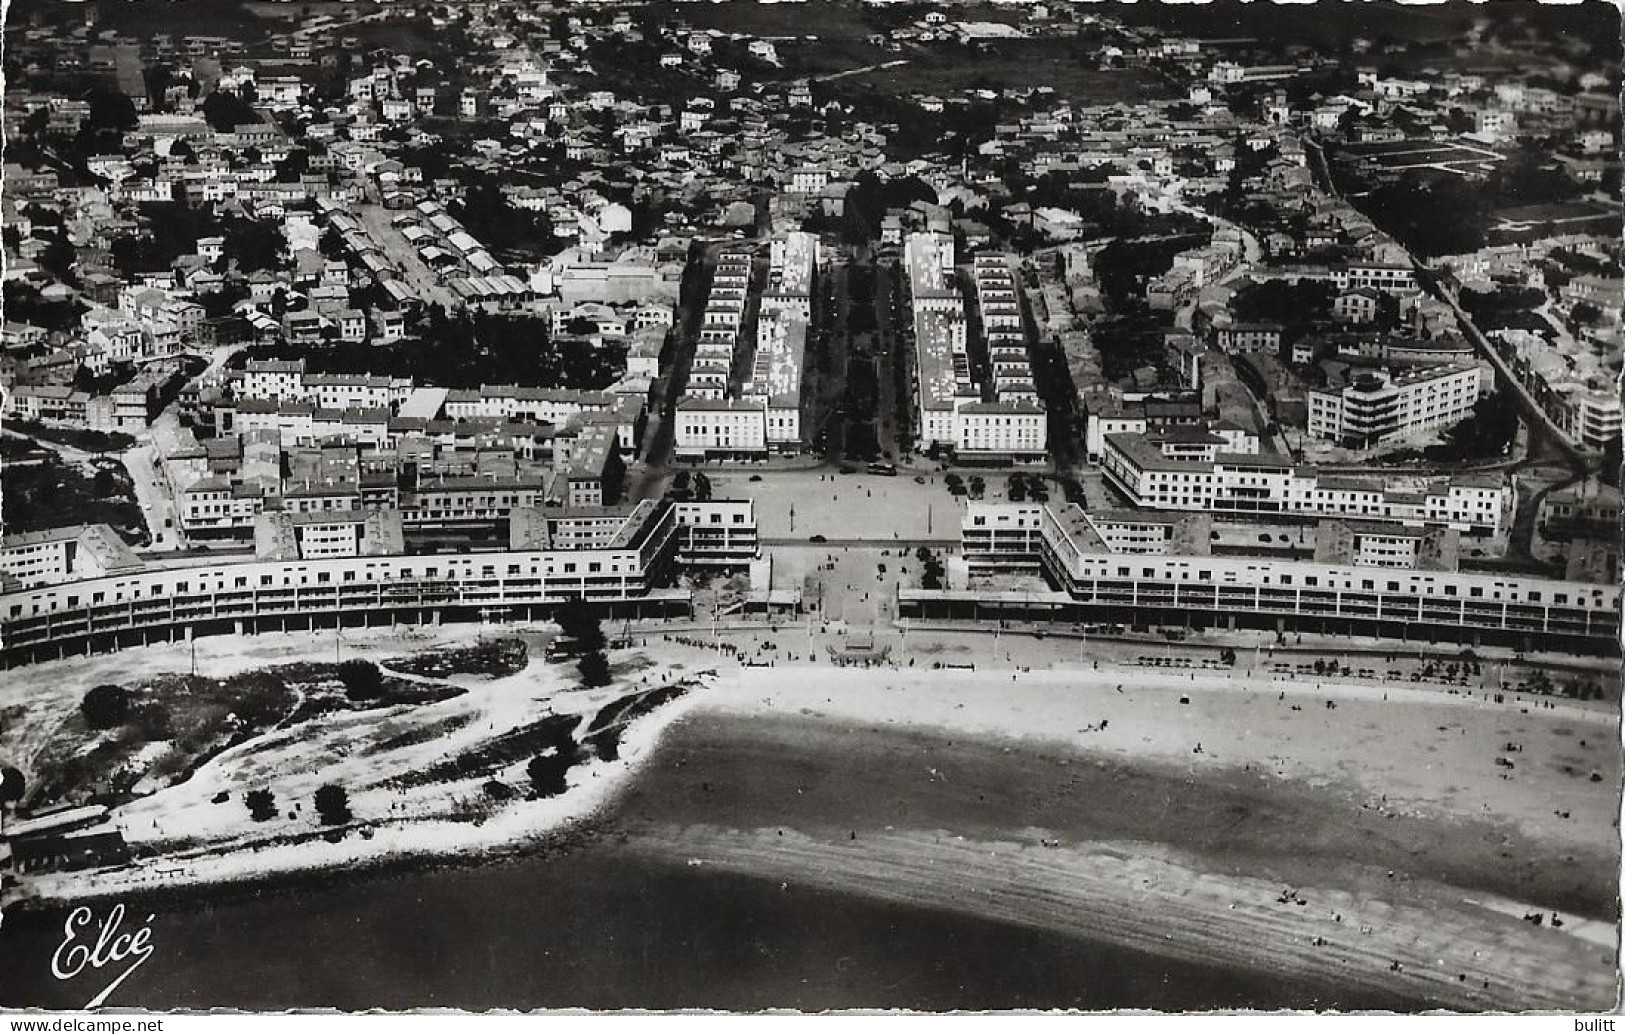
{"x": 1189, "y": 469}
{"x": 58, "y": 555}
{"x": 775, "y": 380}
{"x": 1094, "y": 580}
{"x": 1376, "y": 406}
{"x": 952, "y": 410}
{"x": 712, "y": 427}
{"x": 1380, "y": 276}
{"x": 621, "y": 555}
{"x": 792, "y": 264}
{"x": 765, "y": 413}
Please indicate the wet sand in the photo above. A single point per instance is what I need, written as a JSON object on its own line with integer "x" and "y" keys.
{"x": 1226, "y": 865}
{"x": 1364, "y": 855}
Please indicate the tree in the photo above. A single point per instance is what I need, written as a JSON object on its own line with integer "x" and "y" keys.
{"x": 1586, "y": 314}
{"x": 12, "y": 785}
{"x": 225, "y": 111}
{"x": 261, "y": 804}
{"x": 560, "y": 750}
{"x": 105, "y": 706}
{"x": 594, "y": 668}
{"x": 333, "y": 804}
{"x": 547, "y": 772}
{"x": 579, "y": 623}
{"x": 1015, "y": 488}
{"x": 251, "y": 244}
{"x": 59, "y": 257}
{"x": 702, "y": 487}
{"x": 110, "y": 111}
{"x": 362, "y": 679}
{"x": 1433, "y": 216}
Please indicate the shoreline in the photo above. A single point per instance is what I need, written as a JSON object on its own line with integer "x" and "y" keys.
{"x": 389, "y": 846}
{"x": 1143, "y": 891}
{"x": 597, "y": 785}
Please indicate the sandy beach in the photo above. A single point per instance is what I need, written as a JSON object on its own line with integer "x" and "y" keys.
{"x": 1235, "y": 865}
{"x": 1344, "y": 834}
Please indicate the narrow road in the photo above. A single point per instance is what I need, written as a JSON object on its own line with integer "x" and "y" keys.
{"x": 423, "y": 281}
{"x": 157, "y": 504}
{"x": 1533, "y": 414}
{"x": 865, "y": 70}
{"x": 660, "y": 436}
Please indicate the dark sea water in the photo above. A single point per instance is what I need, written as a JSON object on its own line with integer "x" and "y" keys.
{"x": 600, "y": 928}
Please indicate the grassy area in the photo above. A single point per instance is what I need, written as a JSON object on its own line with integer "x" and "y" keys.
{"x": 20, "y": 450}
{"x": 176, "y": 17}
{"x": 825, "y": 20}
{"x": 495, "y": 754}
{"x": 175, "y": 723}
{"x": 828, "y": 55}
{"x": 1048, "y": 62}
{"x": 416, "y": 37}
{"x": 322, "y": 693}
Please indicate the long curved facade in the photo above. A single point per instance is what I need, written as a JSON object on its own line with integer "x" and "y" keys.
{"x": 224, "y": 597}
{"x": 1091, "y": 583}
{"x": 624, "y": 559}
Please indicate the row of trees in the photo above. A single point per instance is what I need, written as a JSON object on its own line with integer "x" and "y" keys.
{"x": 686, "y": 486}
{"x": 332, "y": 803}
{"x": 583, "y": 638}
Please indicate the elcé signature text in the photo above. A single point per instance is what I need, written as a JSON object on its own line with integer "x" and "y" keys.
{"x": 89, "y": 944}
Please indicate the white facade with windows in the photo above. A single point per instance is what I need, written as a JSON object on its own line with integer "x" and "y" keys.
{"x": 1375, "y": 406}
{"x": 707, "y": 427}
{"x": 1166, "y": 472}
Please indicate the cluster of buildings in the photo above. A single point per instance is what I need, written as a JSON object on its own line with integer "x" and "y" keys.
{"x": 763, "y": 413}
{"x": 1220, "y": 470}
{"x": 348, "y": 566}
{"x": 1376, "y": 405}
{"x": 333, "y": 481}
{"x": 1371, "y": 579}
{"x": 956, "y": 412}
{"x": 447, "y": 460}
